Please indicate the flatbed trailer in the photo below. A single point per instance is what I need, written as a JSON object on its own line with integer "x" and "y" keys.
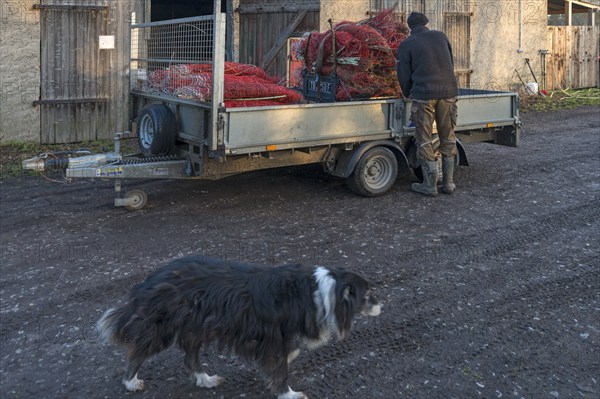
{"x": 365, "y": 142}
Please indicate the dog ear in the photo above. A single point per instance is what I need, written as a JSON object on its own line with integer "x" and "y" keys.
{"x": 345, "y": 307}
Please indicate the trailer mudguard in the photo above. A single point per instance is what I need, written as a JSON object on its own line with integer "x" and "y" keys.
{"x": 462, "y": 154}
{"x": 347, "y": 160}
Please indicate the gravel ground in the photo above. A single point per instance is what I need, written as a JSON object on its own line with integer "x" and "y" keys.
{"x": 491, "y": 292}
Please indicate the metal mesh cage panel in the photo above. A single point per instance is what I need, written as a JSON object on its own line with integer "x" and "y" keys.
{"x": 161, "y": 53}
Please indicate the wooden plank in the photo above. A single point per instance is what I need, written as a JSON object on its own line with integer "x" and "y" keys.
{"x": 582, "y": 56}
{"x": 70, "y": 131}
{"x": 558, "y": 55}
{"x": 90, "y": 90}
{"x": 86, "y": 7}
{"x": 78, "y": 69}
{"x": 576, "y": 62}
{"x": 108, "y": 76}
{"x": 91, "y": 76}
{"x": 591, "y": 49}
{"x": 69, "y": 101}
{"x": 120, "y": 94}
{"x": 44, "y": 74}
{"x": 564, "y": 57}
{"x": 276, "y": 9}
{"x": 99, "y": 71}
{"x": 282, "y": 39}
{"x": 63, "y": 69}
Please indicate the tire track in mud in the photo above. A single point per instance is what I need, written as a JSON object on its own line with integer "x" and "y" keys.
{"x": 467, "y": 249}
{"x": 472, "y": 248}
{"x": 478, "y": 176}
{"x": 507, "y": 330}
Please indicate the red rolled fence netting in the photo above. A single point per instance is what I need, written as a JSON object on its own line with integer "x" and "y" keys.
{"x": 244, "y": 85}
{"x": 365, "y": 56}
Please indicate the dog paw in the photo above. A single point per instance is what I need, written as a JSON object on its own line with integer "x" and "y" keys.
{"x": 134, "y": 384}
{"x": 292, "y": 395}
{"x": 204, "y": 380}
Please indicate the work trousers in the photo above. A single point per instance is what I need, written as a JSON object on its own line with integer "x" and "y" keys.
{"x": 430, "y": 144}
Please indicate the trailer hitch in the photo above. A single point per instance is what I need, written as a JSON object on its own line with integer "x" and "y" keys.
{"x": 82, "y": 158}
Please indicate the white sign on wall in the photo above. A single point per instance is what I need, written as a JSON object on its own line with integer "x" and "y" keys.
{"x": 107, "y": 42}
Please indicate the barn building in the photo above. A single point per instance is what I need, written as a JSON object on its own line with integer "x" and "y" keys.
{"x": 64, "y": 64}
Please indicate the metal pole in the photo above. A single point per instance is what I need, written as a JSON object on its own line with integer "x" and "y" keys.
{"x": 218, "y": 67}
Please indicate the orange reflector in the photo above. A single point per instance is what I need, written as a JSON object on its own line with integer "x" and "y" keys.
{"x": 271, "y": 147}
{"x": 490, "y": 125}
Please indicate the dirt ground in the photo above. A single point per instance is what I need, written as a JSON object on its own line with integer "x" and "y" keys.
{"x": 493, "y": 292}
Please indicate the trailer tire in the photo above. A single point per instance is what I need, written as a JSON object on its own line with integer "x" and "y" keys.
{"x": 156, "y": 130}
{"x": 375, "y": 172}
{"x": 137, "y": 200}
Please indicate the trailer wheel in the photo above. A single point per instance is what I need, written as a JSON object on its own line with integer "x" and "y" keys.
{"x": 375, "y": 173}
{"x": 136, "y": 200}
{"x": 156, "y": 130}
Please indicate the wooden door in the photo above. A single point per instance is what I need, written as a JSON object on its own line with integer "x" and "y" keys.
{"x": 74, "y": 95}
{"x": 457, "y": 26}
{"x": 573, "y": 58}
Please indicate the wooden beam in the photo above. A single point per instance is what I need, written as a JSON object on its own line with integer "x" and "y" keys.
{"x": 560, "y": 7}
{"x": 69, "y": 7}
{"x": 281, "y": 40}
{"x": 59, "y": 101}
{"x": 583, "y": 4}
{"x": 269, "y": 9}
{"x": 568, "y": 13}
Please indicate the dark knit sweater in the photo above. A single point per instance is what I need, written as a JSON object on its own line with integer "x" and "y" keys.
{"x": 426, "y": 66}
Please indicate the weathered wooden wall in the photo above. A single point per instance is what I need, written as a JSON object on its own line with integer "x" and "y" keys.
{"x": 261, "y": 24}
{"x": 573, "y": 59}
{"x": 457, "y": 26}
{"x": 84, "y": 90}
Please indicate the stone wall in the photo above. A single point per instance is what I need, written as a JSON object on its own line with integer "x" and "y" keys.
{"x": 497, "y": 51}
{"x": 19, "y": 70}
{"x": 342, "y": 10}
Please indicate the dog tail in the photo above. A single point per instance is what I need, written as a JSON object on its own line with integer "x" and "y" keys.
{"x": 109, "y": 324}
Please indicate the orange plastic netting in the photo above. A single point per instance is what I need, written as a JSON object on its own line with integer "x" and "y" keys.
{"x": 365, "y": 55}
{"x": 244, "y": 85}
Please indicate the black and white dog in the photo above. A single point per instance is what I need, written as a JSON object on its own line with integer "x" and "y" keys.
{"x": 262, "y": 313}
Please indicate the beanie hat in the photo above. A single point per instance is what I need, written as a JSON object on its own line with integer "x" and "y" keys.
{"x": 416, "y": 19}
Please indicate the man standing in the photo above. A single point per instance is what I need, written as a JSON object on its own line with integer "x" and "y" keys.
{"x": 426, "y": 74}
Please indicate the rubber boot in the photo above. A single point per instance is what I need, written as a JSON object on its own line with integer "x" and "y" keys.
{"x": 430, "y": 177}
{"x": 448, "y": 185}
